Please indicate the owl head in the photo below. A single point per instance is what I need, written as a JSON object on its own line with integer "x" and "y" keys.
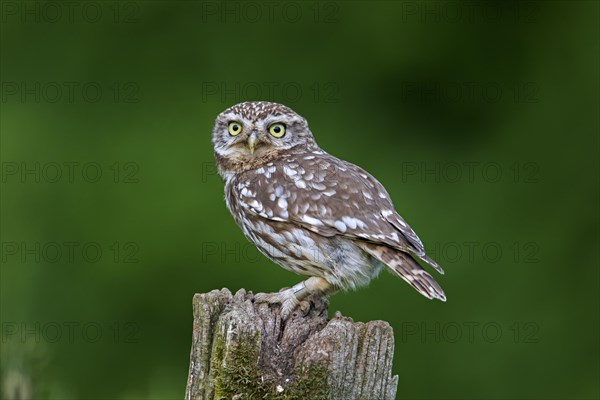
{"x": 251, "y": 134}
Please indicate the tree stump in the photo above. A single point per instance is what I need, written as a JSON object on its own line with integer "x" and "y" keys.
{"x": 242, "y": 350}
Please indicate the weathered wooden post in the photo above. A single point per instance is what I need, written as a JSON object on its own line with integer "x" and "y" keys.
{"x": 241, "y": 350}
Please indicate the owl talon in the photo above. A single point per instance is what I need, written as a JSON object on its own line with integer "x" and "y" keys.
{"x": 286, "y": 298}
{"x": 304, "y": 307}
{"x": 271, "y": 298}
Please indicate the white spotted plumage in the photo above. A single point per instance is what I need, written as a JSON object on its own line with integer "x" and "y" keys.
{"x": 308, "y": 211}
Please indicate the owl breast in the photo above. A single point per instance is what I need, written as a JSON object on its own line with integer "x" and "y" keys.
{"x": 278, "y": 207}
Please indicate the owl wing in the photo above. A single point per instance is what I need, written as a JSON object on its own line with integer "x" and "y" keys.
{"x": 330, "y": 197}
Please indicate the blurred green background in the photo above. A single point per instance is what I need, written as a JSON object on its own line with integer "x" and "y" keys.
{"x": 481, "y": 119}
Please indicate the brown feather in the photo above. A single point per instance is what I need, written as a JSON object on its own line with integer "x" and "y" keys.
{"x": 406, "y": 268}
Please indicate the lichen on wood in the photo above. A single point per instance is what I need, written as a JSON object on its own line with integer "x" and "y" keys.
{"x": 243, "y": 350}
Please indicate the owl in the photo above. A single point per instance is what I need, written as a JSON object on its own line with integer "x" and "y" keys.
{"x": 308, "y": 211}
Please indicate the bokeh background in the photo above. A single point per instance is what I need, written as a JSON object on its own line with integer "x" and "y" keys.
{"x": 480, "y": 118}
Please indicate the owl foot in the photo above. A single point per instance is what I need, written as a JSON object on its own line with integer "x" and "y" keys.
{"x": 294, "y": 296}
{"x": 285, "y": 297}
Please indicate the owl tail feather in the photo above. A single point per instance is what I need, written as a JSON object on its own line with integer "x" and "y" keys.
{"x": 429, "y": 261}
{"x": 406, "y": 268}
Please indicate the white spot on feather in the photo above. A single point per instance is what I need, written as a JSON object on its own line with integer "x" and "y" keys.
{"x": 255, "y": 204}
{"x": 300, "y": 184}
{"x": 311, "y": 220}
{"x": 289, "y": 171}
{"x": 340, "y": 226}
{"x": 350, "y": 222}
{"x": 354, "y": 222}
{"x": 322, "y": 210}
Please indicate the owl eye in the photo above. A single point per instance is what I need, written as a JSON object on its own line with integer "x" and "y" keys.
{"x": 277, "y": 130}
{"x": 234, "y": 128}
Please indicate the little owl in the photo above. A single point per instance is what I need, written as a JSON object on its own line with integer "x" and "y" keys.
{"x": 308, "y": 211}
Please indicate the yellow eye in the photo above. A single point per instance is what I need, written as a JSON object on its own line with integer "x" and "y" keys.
{"x": 235, "y": 128}
{"x": 277, "y": 130}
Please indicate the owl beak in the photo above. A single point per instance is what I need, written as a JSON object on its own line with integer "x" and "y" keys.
{"x": 252, "y": 140}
